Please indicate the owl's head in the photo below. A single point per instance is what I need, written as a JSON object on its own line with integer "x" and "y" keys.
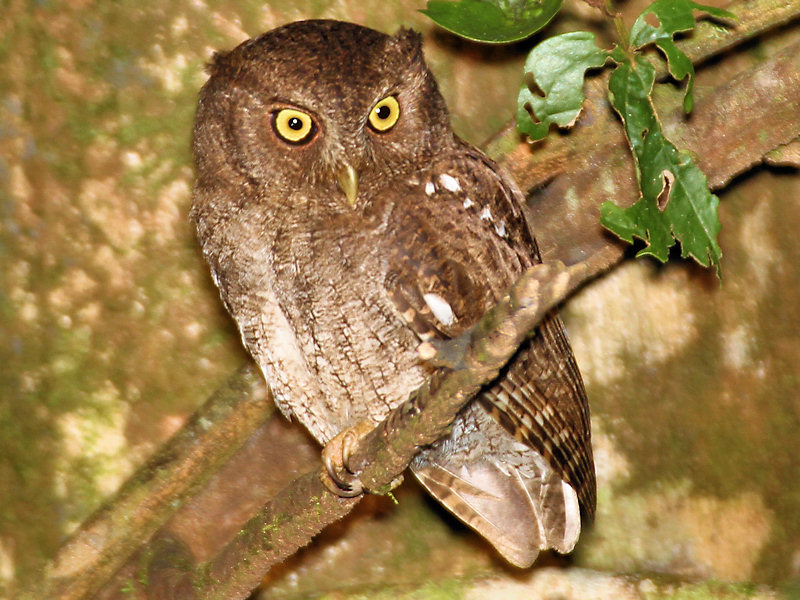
{"x": 321, "y": 110}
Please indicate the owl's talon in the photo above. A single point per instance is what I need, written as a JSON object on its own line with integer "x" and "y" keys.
{"x": 339, "y": 487}
{"x": 338, "y": 477}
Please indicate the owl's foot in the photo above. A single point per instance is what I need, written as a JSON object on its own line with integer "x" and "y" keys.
{"x": 338, "y": 477}
{"x": 445, "y": 353}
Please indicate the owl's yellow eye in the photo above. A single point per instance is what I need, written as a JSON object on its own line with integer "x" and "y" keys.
{"x": 294, "y": 126}
{"x": 385, "y": 114}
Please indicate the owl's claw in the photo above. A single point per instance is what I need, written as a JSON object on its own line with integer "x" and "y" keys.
{"x": 338, "y": 477}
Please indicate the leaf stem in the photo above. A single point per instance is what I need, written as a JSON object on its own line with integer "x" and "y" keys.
{"x": 622, "y": 33}
{"x": 619, "y": 25}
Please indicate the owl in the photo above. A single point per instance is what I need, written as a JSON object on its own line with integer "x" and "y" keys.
{"x": 345, "y": 225}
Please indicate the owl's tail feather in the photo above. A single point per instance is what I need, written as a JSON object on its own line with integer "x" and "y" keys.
{"x": 518, "y": 514}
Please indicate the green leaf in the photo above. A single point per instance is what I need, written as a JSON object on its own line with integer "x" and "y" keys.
{"x": 493, "y": 21}
{"x": 558, "y": 66}
{"x": 676, "y": 203}
{"x": 673, "y": 16}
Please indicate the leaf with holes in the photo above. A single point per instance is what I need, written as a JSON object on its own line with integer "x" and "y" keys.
{"x": 673, "y": 16}
{"x": 676, "y": 203}
{"x": 557, "y": 67}
{"x": 492, "y": 21}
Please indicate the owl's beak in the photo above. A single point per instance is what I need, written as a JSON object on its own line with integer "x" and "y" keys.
{"x": 348, "y": 182}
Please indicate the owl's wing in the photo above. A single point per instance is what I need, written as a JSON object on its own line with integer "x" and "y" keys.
{"x": 459, "y": 241}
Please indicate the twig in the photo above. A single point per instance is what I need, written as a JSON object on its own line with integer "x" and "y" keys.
{"x": 709, "y": 38}
{"x": 730, "y": 130}
{"x": 304, "y": 508}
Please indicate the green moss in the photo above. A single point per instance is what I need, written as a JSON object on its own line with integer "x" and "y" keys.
{"x": 790, "y": 590}
{"x": 269, "y": 529}
{"x": 709, "y": 590}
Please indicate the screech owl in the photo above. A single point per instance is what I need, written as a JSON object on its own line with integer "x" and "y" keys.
{"x": 345, "y": 224}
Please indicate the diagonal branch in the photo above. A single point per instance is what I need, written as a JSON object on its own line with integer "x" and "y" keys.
{"x": 304, "y": 508}
{"x": 104, "y": 541}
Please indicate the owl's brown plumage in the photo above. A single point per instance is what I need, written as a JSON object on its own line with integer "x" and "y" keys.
{"x": 344, "y": 224}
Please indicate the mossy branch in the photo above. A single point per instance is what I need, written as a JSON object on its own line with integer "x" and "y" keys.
{"x": 304, "y": 508}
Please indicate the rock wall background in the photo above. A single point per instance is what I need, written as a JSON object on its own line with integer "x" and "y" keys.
{"x": 112, "y": 332}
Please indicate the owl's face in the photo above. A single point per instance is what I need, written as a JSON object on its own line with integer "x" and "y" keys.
{"x": 319, "y": 111}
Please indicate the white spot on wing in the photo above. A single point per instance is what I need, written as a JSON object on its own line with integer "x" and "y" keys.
{"x": 501, "y": 229}
{"x": 486, "y": 214}
{"x": 440, "y": 308}
{"x": 572, "y": 513}
{"x": 449, "y": 182}
{"x": 430, "y": 188}
{"x": 468, "y": 202}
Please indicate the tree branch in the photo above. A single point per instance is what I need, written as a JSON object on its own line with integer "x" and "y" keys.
{"x": 731, "y": 129}
{"x": 143, "y": 504}
{"x": 304, "y": 508}
{"x": 754, "y": 17}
